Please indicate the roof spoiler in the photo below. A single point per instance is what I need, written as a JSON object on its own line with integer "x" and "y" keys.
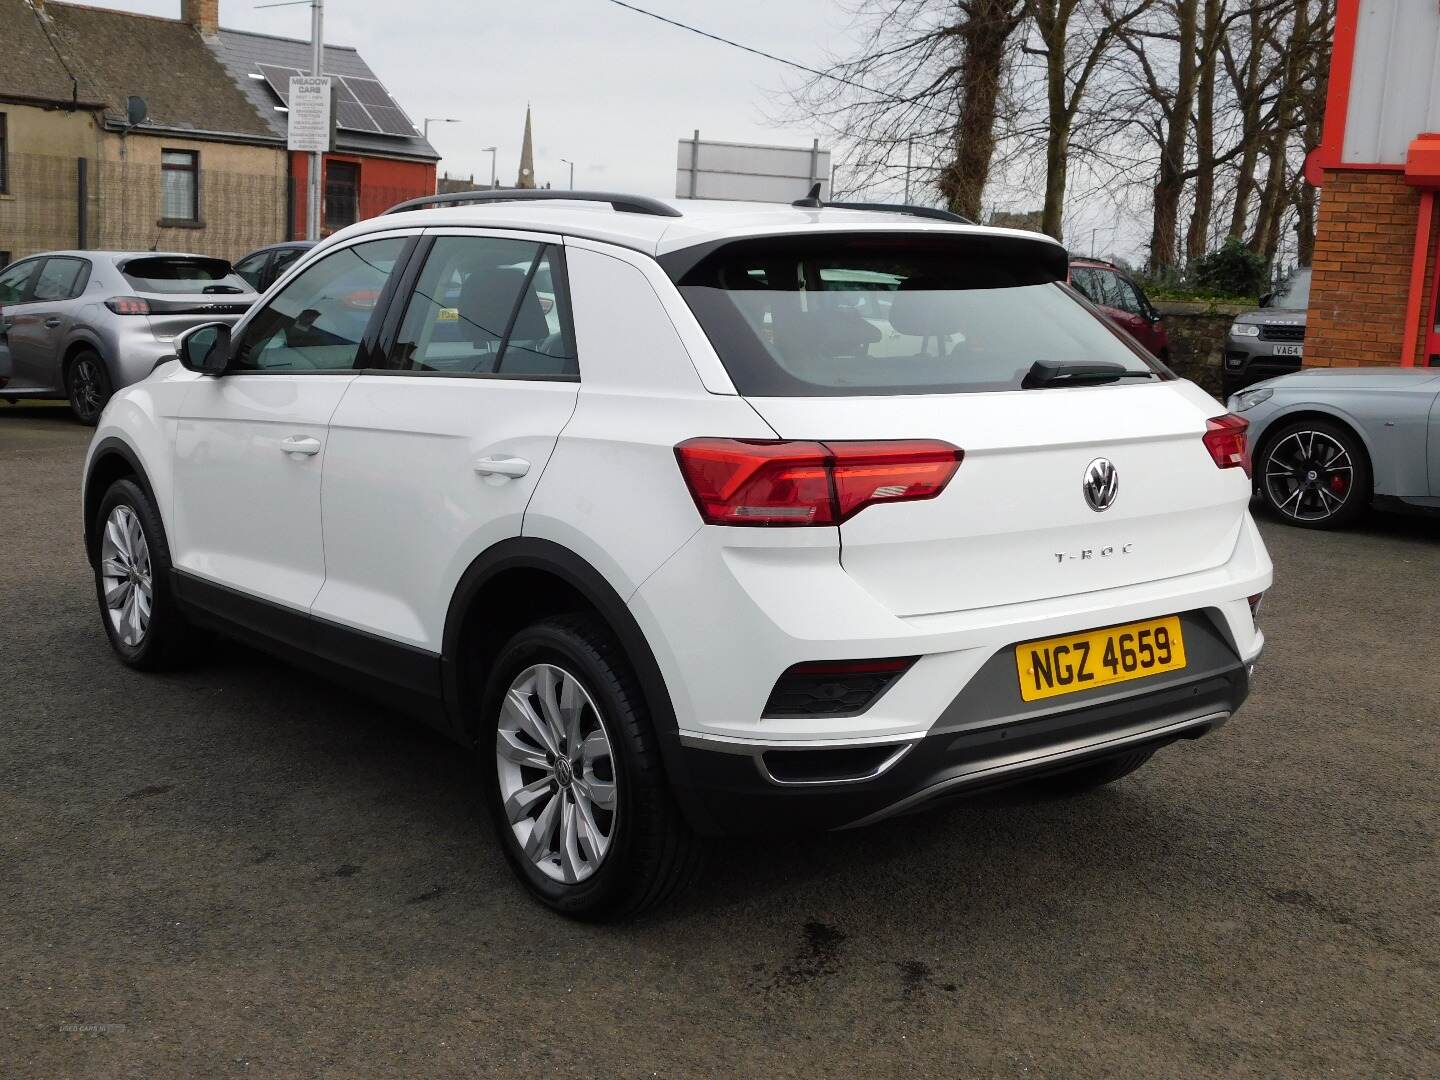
{"x": 625, "y": 204}
{"x": 812, "y": 202}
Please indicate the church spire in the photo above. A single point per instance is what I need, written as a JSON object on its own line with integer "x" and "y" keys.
{"x": 526, "y": 178}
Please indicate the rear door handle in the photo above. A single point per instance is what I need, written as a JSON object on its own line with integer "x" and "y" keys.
{"x": 300, "y": 444}
{"x": 52, "y": 322}
{"x": 512, "y": 467}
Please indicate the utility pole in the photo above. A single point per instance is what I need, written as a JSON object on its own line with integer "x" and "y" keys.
{"x": 491, "y": 151}
{"x": 567, "y": 161}
{"x": 909, "y": 147}
{"x": 317, "y": 68}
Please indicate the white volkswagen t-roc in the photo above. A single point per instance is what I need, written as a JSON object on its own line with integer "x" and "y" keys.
{"x": 694, "y": 518}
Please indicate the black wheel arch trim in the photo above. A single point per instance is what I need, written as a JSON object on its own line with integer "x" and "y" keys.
{"x": 533, "y": 553}
{"x": 109, "y": 448}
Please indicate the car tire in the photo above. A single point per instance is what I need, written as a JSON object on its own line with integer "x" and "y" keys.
{"x": 87, "y": 386}
{"x": 133, "y": 587}
{"x": 1314, "y": 474}
{"x": 608, "y": 861}
{"x": 1092, "y": 776}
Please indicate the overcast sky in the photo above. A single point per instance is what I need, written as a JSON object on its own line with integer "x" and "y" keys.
{"x": 610, "y": 89}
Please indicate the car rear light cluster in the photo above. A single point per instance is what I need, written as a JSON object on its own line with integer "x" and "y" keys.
{"x": 1255, "y": 605}
{"x": 740, "y": 482}
{"x": 1227, "y": 440}
{"x": 128, "y": 305}
{"x": 834, "y": 687}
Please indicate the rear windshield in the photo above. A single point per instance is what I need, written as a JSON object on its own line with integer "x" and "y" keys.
{"x": 172, "y": 274}
{"x": 872, "y": 314}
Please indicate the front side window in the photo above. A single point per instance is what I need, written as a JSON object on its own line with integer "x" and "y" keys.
{"x": 318, "y": 321}
{"x": 180, "y": 185}
{"x": 487, "y": 305}
{"x": 878, "y": 313}
{"x": 61, "y": 278}
{"x": 14, "y": 280}
{"x": 284, "y": 259}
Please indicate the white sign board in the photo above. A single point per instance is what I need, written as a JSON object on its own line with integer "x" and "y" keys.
{"x": 311, "y": 130}
{"x": 749, "y": 172}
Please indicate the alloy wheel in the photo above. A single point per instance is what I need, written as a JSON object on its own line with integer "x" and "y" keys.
{"x": 85, "y": 386}
{"x": 557, "y": 773}
{"x": 1309, "y": 476}
{"x": 125, "y": 575}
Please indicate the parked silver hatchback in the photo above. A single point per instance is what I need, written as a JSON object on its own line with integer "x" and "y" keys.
{"x": 82, "y": 324}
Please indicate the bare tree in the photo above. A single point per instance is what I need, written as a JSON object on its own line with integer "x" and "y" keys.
{"x": 927, "y": 74}
{"x": 1071, "y": 38}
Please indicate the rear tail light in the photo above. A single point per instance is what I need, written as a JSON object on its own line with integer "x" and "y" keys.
{"x": 128, "y": 305}
{"x": 834, "y": 687}
{"x": 735, "y": 482}
{"x": 1226, "y": 439}
{"x": 1255, "y": 605}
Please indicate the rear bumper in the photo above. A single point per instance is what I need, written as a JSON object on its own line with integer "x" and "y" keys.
{"x": 987, "y": 737}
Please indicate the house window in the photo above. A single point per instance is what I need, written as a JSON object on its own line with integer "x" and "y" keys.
{"x": 4, "y": 157}
{"x": 342, "y": 194}
{"x": 180, "y": 185}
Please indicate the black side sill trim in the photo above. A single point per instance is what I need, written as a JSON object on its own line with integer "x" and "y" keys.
{"x": 400, "y": 674}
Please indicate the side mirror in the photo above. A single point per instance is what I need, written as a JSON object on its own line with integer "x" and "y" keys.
{"x": 205, "y": 348}
{"x": 1267, "y": 299}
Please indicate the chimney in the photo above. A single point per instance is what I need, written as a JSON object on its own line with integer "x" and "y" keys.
{"x": 203, "y": 15}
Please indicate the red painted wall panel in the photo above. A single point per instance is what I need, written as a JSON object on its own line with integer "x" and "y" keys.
{"x": 383, "y": 183}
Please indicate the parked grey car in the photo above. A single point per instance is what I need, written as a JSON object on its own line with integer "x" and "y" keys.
{"x": 1269, "y": 342}
{"x": 82, "y": 324}
{"x": 1328, "y": 442}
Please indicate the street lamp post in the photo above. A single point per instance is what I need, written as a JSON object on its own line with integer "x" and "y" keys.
{"x": 425, "y": 126}
{"x": 491, "y": 151}
{"x": 567, "y": 161}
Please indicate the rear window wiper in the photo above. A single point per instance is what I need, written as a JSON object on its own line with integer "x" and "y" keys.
{"x": 1045, "y": 373}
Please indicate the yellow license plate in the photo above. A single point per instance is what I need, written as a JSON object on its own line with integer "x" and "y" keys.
{"x": 1075, "y": 662}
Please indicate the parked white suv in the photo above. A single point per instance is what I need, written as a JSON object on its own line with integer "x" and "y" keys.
{"x": 695, "y": 521}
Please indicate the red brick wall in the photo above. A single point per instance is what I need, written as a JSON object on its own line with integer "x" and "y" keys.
{"x": 1428, "y": 315}
{"x": 1364, "y": 250}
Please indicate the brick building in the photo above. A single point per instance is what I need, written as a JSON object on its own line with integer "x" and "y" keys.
{"x": 1375, "y": 297}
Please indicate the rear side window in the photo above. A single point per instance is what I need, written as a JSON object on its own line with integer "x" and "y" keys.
{"x": 875, "y": 313}
{"x": 487, "y": 305}
{"x": 318, "y": 321}
{"x": 182, "y": 274}
{"x": 61, "y": 279}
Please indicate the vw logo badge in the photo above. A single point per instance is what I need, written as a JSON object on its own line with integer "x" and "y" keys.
{"x": 1101, "y": 485}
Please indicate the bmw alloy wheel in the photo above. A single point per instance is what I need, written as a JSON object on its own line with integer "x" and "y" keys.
{"x": 125, "y": 574}
{"x": 1309, "y": 475}
{"x": 557, "y": 773}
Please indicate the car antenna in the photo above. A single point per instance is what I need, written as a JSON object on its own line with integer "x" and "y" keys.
{"x": 812, "y": 200}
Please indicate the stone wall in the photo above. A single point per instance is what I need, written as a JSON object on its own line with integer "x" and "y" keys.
{"x": 1197, "y": 338}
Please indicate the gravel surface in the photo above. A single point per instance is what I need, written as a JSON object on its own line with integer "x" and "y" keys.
{"x": 244, "y": 870}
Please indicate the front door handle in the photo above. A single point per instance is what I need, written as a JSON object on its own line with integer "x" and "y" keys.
{"x": 300, "y": 444}
{"x": 512, "y": 467}
{"x": 53, "y": 323}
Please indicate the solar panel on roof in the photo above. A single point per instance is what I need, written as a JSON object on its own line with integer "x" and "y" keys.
{"x": 362, "y": 104}
{"x": 350, "y": 116}
{"x": 391, "y": 121}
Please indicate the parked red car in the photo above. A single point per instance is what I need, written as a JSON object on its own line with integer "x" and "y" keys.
{"x": 1123, "y": 301}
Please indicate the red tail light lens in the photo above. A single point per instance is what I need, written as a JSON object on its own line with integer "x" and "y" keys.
{"x": 128, "y": 305}
{"x": 735, "y": 482}
{"x": 1226, "y": 439}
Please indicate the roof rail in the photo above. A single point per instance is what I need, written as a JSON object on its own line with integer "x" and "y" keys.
{"x": 628, "y": 204}
{"x": 812, "y": 202}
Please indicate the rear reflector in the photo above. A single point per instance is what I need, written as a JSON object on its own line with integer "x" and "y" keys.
{"x": 737, "y": 482}
{"x": 128, "y": 305}
{"x": 1226, "y": 439}
{"x": 834, "y": 687}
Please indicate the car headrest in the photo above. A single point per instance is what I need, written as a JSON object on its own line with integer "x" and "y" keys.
{"x": 488, "y": 297}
